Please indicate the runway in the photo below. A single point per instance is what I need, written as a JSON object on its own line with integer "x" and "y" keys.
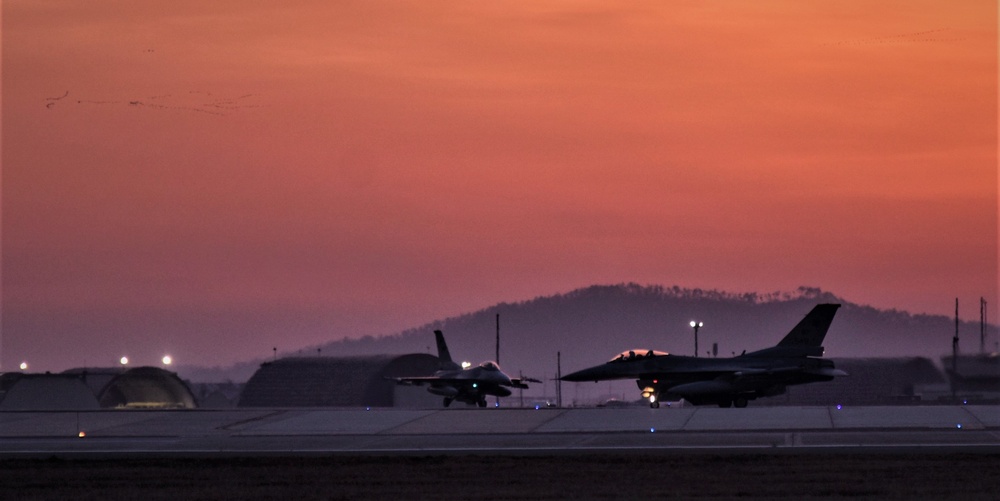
{"x": 308, "y": 432}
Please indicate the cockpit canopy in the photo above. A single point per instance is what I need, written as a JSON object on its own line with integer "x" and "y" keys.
{"x": 629, "y": 355}
{"x": 490, "y": 366}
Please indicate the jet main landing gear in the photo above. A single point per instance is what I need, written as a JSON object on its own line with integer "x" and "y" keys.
{"x": 738, "y": 402}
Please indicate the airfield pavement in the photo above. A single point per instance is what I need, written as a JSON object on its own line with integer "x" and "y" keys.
{"x": 926, "y": 452}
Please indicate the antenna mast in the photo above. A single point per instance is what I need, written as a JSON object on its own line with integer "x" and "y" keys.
{"x": 982, "y": 326}
{"x": 498, "y": 352}
{"x": 954, "y": 353}
{"x": 559, "y": 379}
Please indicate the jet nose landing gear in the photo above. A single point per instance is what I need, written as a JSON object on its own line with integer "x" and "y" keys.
{"x": 649, "y": 393}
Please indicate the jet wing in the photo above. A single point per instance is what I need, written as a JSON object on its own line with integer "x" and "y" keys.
{"x": 437, "y": 380}
{"x": 737, "y": 371}
{"x": 819, "y": 371}
{"x": 417, "y": 381}
{"x": 521, "y": 382}
{"x": 736, "y": 375}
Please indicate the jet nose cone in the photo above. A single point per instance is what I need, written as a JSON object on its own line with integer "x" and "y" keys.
{"x": 591, "y": 374}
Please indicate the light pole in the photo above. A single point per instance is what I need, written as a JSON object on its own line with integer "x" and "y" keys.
{"x": 696, "y": 325}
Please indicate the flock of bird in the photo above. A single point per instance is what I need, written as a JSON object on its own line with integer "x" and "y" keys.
{"x": 905, "y": 38}
{"x": 194, "y": 101}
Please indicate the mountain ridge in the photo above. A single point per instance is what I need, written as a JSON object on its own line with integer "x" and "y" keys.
{"x": 589, "y": 325}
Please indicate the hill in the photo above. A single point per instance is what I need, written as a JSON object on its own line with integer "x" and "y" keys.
{"x": 590, "y": 325}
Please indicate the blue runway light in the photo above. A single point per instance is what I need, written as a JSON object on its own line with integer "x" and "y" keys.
{"x": 652, "y": 430}
{"x": 537, "y": 407}
{"x": 839, "y": 407}
{"x": 959, "y": 426}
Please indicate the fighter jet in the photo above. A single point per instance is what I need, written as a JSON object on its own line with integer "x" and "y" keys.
{"x": 470, "y": 385}
{"x": 726, "y": 382}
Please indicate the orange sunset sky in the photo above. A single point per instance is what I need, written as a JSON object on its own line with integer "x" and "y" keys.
{"x": 212, "y": 179}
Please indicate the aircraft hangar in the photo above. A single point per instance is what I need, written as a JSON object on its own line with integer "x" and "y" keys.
{"x": 872, "y": 381}
{"x": 95, "y": 388}
{"x": 340, "y": 382}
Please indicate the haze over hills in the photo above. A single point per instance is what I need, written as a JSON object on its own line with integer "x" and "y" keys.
{"x": 590, "y": 325}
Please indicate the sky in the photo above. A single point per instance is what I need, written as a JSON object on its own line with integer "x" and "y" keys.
{"x": 216, "y": 179}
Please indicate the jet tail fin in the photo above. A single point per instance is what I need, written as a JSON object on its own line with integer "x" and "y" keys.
{"x": 443, "y": 353}
{"x": 806, "y": 338}
{"x": 812, "y": 329}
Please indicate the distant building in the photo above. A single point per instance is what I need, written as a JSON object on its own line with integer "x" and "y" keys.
{"x": 96, "y": 378}
{"x": 217, "y": 395}
{"x": 340, "y": 382}
{"x": 871, "y": 381}
{"x": 975, "y": 377}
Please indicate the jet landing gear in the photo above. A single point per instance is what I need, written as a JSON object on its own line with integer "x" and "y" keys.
{"x": 481, "y": 402}
{"x": 738, "y": 402}
{"x": 447, "y": 401}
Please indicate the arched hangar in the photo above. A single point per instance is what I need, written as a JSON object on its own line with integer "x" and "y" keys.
{"x": 45, "y": 392}
{"x": 340, "y": 382}
{"x": 95, "y": 388}
{"x": 146, "y": 388}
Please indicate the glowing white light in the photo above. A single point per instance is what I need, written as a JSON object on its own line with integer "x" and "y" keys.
{"x": 124, "y": 360}
{"x": 24, "y": 366}
{"x": 960, "y": 426}
{"x": 652, "y": 399}
{"x": 838, "y": 407}
{"x": 693, "y": 323}
{"x": 652, "y": 430}
{"x": 167, "y": 360}
{"x": 466, "y": 365}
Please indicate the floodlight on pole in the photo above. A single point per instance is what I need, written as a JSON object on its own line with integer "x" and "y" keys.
{"x": 124, "y": 360}
{"x": 167, "y": 360}
{"x": 696, "y": 326}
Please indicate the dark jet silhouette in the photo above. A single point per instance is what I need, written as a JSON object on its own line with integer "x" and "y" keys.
{"x": 470, "y": 385}
{"x": 726, "y": 381}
